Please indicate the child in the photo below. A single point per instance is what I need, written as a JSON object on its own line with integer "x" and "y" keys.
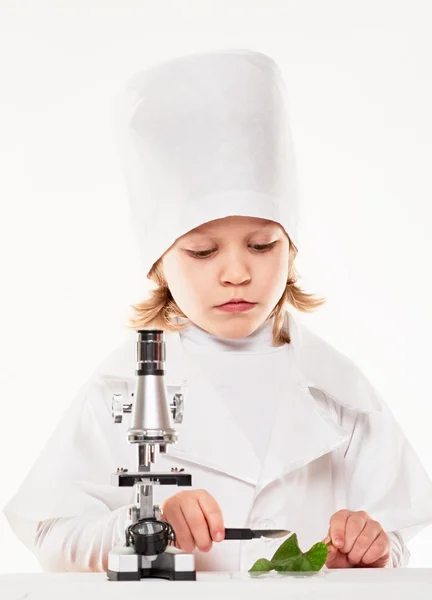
{"x": 280, "y": 430}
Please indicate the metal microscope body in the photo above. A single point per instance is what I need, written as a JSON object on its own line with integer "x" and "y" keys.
{"x": 148, "y": 550}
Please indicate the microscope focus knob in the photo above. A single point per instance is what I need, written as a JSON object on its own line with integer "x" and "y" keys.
{"x": 177, "y": 408}
{"x": 118, "y": 408}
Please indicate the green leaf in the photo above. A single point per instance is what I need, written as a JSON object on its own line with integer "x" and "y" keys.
{"x": 289, "y": 557}
{"x": 288, "y": 549}
{"x": 316, "y": 556}
{"x": 288, "y": 564}
{"x": 262, "y": 564}
{"x": 312, "y": 560}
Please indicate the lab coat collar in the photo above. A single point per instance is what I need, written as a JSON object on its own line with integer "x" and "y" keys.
{"x": 322, "y": 367}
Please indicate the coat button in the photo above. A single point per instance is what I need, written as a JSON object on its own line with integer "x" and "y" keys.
{"x": 266, "y": 524}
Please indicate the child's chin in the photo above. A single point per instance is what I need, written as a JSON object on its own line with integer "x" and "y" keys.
{"x": 236, "y": 328}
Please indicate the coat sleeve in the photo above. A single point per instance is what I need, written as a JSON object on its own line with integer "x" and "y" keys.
{"x": 399, "y": 555}
{"x": 384, "y": 477}
{"x": 66, "y": 511}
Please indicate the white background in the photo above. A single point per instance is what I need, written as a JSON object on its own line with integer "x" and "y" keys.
{"x": 359, "y": 76}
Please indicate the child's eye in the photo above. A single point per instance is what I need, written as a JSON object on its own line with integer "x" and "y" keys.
{"x": 206, "y": 253}
{"x": 201, "y": 253}
{"x": 263, "y": 247}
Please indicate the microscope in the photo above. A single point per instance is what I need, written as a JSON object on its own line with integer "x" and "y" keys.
{"x": 149, "y": 550}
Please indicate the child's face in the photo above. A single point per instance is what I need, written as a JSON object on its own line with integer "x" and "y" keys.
{"x": 231, "y": 268}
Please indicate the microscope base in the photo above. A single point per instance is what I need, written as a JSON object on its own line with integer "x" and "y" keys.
{"x": 123, "y": 565}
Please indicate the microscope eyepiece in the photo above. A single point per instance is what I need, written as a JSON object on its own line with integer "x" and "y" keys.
{"x": 150, "y": 352}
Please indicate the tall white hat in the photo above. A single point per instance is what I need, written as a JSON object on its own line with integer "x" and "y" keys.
{"x": 202, "y": 137}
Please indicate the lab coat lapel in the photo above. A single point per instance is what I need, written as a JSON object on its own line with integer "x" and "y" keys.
{"x": 303, "y": 429}
{"x": 208, "y": 435}
{"x": 324, "y": 368}
{"x": 300, "y": 433}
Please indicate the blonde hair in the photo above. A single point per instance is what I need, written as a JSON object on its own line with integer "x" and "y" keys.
{"x": 160, "y": 309}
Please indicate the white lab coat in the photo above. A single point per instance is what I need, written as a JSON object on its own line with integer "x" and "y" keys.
{"x": 334, "y": 444}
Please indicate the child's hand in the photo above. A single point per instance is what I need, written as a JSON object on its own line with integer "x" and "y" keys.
{"x": 196, "y": 519}
{"x": 357, "y": 541}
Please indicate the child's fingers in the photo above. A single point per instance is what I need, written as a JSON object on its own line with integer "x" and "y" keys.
{"x": 354, "y": 527}
{"x": 197, "y": 522}
{"x": 174, "y": 515}
{"x": 196, "y": 519}
{"x": 332, "y": 554}
{"x": 337, "y": 527}
{"x": 377, "y": 546}
{"x": 213, "y": 515}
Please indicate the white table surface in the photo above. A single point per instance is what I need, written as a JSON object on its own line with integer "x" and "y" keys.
{"x": 349, "y": 584}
